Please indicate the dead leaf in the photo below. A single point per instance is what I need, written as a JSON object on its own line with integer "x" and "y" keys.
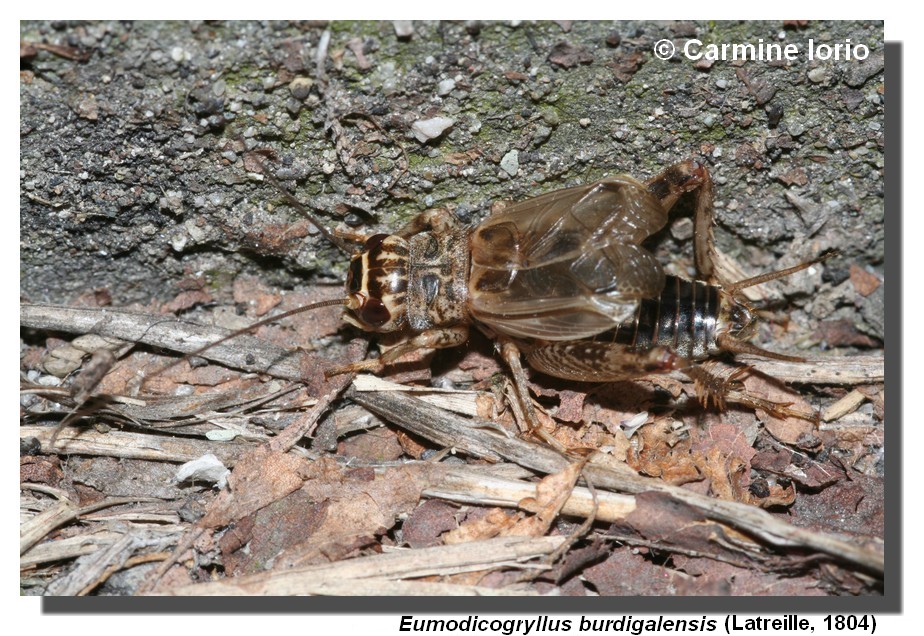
{"x": 425, "y": 525}
{"x": 483, "y": 525}
{"x": 377, "y": 445}
{"x": 851, "y": 506}
{"x": 28, "y": 50}
{"x": 551, "y": 494}
{"x": 40, "y": 470}
{"x": 843, "y": 333}
{"x": 796, "y": 176}
{"x": 715, "y": 578}
{"x": 462, "y": 158}
{"x": 360, "y": 505}
{"x": 186, "y": 300}
{"x": 629, "y": 572}
{"x": 571, "y": 407}
{"x": 776, "y": 495}
{"x": 662, "y": 521}
{"x": 567, "y": 55}
{"x": 515, "y": 76}
{"x": 863, "y": 281}
{"x": 728, "y": 475}
{"x": 258, "y": 479}
{"x": 662, "y": 451}
{"x": 795, "y": 431}
{"x": 626, "y": 64}
{"x": 251, "y": 292}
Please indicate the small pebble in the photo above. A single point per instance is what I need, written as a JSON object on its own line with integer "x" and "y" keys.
{"x": 50, "y": 380}
{"x": 427, "y": 129}
{"x": 207, "y": 468}
{"x": 445, "y": 87}
{"x": 542, "y": 134}
{"x": 817, "y": 74}
{"x": 300, "y": 87}
{"x": 178, "y": 242}
{"x": 795, "y": 128}
{"x": 511, "y": 162}
{"x": 403, "y": 28}
{"x": 550, "y": 116}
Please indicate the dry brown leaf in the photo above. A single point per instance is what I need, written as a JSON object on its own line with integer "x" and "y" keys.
{"x": 797, "y": 467}
{"x": 715, "y": 578}
{"x": 376, "y": 445}
{"x": 568, "y": 55}
{"x": 486, "y": 526}
{"x": 663, "y": 521}
{"x": 726, "y": 437}
{"x": 337, "y": 512}
{"x": 788, "y": 430}
{"x": 851, "y": 506}
{"x": 551, "y": 494}
{"x": 360, "y": 504}
{"x": 258, "y": 479}
{"x": 662, "y": 452}
{"x": 187, "y": 299}
{"x": 252, "y": 293}
{"x": 843, "y": 333}
{"x": 796, "y": 176}
{"x": 628, "y": 572}
{"x": 728, "y": 475}
{"x": 425, "y": 525}
{"x": 571, "y": 407}
{"x": 864, "y": 282}
{"x": 479, "y": 365}
{"x": 777, "y": 496}
{"x": 461, "y": 158}
{"x": 40, "y": 470}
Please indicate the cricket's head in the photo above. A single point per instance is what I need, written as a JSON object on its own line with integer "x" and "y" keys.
{"x": 377, "y": 285}
{"x": 737, "y": 321}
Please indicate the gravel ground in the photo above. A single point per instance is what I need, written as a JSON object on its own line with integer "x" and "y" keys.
{"x": 135, "y": 137}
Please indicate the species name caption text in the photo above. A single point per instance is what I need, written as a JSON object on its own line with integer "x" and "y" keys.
{"x": 732, "y": 624}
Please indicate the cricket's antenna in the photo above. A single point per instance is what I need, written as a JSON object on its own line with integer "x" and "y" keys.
{"x": 245, "y": 330}
{"x": 295, "y": 203}
{"x": 734, "y": 288}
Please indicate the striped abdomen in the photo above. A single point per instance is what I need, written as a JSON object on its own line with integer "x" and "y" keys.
{"x": 683, "y": 319}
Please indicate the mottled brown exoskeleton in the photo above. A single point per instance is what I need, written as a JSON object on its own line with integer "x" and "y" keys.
{"x": 562, "y": 278}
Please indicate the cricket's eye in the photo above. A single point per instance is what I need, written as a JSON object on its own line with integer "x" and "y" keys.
{"x": 374, "y": 312}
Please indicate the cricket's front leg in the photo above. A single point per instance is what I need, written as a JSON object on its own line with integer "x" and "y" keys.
{"x": 444, "y": 338}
